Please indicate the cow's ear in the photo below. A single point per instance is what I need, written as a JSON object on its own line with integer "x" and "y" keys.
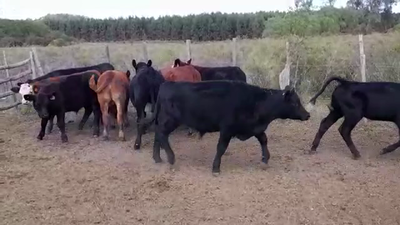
{"x": 288, "y": 92}
{"x": 149, "y": 63}
{"x": 15, "y": 89}
{"x": 189, "y": 61}
{"x": 177, "y": 62}
{"x": 29, "y": 97}
{"x": 19, "y": 84}
{"x": 134, "y": 63}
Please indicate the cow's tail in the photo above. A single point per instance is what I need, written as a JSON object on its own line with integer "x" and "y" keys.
{"x": 92, "y": 83}
{"x": 312, "y": 101}
{"x": 103, "y": 85}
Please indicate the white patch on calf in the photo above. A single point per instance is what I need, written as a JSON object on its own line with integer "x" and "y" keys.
{"x": 25, "y": 89}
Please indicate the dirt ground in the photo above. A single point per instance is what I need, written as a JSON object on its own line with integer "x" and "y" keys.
{"x": 89, "y": 181}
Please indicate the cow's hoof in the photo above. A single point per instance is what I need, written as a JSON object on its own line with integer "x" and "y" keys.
{"x": 64, "y": 139}
{"x": 49, "y": 131}
{"x": 264, "y": 166}
{"x": 39, "y": 137}
{"x": 312, "y": 152}
{"x": 385, "y": 151}
{"x": 137, "y": 146}
{"x": 157, "y": 160}
{"x": 95, "y": 136}
{"x": 173, "y": 168}
{"x": 216, "y": 174}
{"x": 121, "y": 139}
{"x": 105, "y": 138}
{"x": 355, "y": 157}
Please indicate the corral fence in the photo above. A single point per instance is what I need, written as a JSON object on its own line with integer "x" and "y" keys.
{"x": 304, "y": 62}
{"x": 284, "y": 76}
{"x": 33, "y": 70}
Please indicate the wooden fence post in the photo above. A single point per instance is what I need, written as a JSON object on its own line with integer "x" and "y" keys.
{"x": 234, "y": 55}
{"x": 108, "y": 54}
{"x": 37, "y": 62}
{"x": 32, "y": 65}
{"x": 362, "y": 62}
{"x": 8, "y": 76}
{"x": 188, "y": 49}
{"x": 144, "y": 51}
{"x": 284, "y": 76}
{"x": 362, "y": 58}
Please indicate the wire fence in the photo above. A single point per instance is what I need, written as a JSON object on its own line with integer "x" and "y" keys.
{"x": 311, "y": 60}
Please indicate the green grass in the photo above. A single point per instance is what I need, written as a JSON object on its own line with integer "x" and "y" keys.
{"x": 313, "y": 59}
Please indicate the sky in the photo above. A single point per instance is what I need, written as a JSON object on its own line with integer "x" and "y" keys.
{"x": 23, "y": 9}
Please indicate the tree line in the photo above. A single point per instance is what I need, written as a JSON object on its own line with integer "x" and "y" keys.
{"x": 360, "y": 16}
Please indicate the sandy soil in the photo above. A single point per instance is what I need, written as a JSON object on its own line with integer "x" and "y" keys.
{"x": 89, "y": 181}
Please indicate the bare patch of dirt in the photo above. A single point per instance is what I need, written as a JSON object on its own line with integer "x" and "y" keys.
{"x": 89, "y": 181}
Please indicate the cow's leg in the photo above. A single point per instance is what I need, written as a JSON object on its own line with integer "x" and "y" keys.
{"x": 164, "y": 132}
{"x": 325, "y": 124}
{"x": 42, "y": 128}
{"x": 120, "y": 119}
{"x": 105, "y": 116}
{"x": 222, "y": 145}
{"x": 126, "y": 119}
{"x": 140, "y": 129}
{"x": 51, "y": 124}
{"x": 394, "y": 146}
{"x": 262, "y": 138}
{"x": 85, "y": 117}
{"x": 345, "y": 131}
{"x": 96, "y": 120}
{"x": 61, "y": 126}
{"x": 157, "y": 147}
{"x": 153, "y": 100}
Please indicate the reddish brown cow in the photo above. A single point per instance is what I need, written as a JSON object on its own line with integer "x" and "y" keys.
{"x": 183, "y": 73}
{"x": 112, "y": 90}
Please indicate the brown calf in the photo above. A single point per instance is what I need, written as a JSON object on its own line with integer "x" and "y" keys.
{"x": 182, "y": 73}
{"x": 112, "y": 90}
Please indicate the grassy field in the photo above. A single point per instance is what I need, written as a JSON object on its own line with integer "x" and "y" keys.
{"x": 313, "y": 59}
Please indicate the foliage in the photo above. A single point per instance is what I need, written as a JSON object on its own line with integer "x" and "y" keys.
{"x": 361, "y": 16}
{"x": 27, "y": 32}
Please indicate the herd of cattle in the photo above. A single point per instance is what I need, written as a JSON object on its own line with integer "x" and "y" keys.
{"x": 205, "y": 99}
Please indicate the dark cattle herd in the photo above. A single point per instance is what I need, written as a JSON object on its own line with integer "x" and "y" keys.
{"x": 204, "y": 99}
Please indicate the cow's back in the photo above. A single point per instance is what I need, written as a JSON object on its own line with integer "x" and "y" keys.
{"x": 102, "y": 67}
{"x": 182, "y": 73}
{"x": 76, "y": 91}
{"x": 222, "y": 73}
{"x": 207, "y": 105}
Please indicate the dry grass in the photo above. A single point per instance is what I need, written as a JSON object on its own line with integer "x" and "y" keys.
{"x": 313, "y": 59}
